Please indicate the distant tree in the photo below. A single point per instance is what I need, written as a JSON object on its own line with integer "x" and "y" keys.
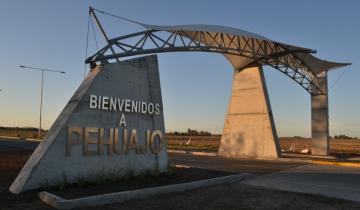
{"x": 21, "y": 129}
{"x": 190, "y": 132}
{"x": 342, "y": 136}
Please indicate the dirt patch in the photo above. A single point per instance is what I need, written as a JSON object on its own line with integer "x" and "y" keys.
{"x": 178, "y": 175}
{"x": 11, "y": 161}
{"x": 226, "y": 197}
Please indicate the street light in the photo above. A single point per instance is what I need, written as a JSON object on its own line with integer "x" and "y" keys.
{"x": 42, "y": 82}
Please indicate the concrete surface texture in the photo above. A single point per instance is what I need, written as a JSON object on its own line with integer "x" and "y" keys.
{"x": 332, "y": 181}
{"x": 136, "y": 79}
{"x": 249, "y": 128}
{"x": 320, "y": 121}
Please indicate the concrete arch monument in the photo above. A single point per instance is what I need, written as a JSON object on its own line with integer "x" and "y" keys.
{"x": 249, "y": 128}
{"x": 92, "y": 134}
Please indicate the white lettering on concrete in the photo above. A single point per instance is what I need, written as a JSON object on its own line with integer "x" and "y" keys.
{"x": 151, "y": 108}
{"x": 157, "y": 109}
{"x": 122, "y": 121}
{"x": 143, "y": 107}
{"x": 93, "y": 102}
{"x": 127, "y": 105}
{"x": 120, "y": 104}
{"x": 113, "y": 103}
{"x": 105, "y": 103}
{"x": 123, "y": 105}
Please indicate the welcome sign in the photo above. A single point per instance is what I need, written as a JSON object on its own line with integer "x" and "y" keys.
{"x": 126, "y": 142}
{"x": 113, "y": 122}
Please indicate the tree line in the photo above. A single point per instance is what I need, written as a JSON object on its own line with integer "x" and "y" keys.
{"x": 190, "y": 132}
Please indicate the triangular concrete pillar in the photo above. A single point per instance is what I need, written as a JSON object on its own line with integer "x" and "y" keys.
{"x": 81, "y": 142}
{"x": 249, "y": 129}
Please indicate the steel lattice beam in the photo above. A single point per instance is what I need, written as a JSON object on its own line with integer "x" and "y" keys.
{"x": 262, "y": 51}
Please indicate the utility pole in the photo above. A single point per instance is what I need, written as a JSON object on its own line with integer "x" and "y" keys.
{"x": 41, "y": 89}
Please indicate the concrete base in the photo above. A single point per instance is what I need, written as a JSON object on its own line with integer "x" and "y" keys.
{"x": 320, "y": 121}
{"x": 51, "y": 164}
{"x": 249, "y": 128}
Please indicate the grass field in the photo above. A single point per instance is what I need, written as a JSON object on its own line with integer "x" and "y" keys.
{"x": 21, "y": 133}
{"x": 211, "y": 143}
{"x": 337, "y": 146}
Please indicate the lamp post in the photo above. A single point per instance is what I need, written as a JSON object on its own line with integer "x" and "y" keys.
{"x": 42, "y": 84}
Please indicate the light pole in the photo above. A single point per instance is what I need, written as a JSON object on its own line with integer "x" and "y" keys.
{"x": 42, "y": 84}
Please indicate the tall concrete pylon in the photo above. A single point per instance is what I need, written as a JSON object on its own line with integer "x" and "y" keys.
{"x": 88, "y": 140}
{"x": 249, "y": 129}
{"x": 320, "y": 120}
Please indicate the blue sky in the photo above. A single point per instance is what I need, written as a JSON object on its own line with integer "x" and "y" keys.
{"x": 196, "y": 86}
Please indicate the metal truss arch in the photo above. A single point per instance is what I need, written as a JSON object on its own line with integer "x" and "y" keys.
{"x": 279, "y": 56}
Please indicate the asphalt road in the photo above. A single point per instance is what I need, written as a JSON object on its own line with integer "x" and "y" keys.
{"x": 20, "y": 143}
{"x": 231, "y": 164}
{"x": 214, "y": 163}
{"x": 329, "y": 180}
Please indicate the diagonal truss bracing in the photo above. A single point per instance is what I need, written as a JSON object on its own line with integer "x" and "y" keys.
{"x": 276, "y": 55}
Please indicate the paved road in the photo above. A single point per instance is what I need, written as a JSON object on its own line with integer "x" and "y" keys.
{"x": 231, "y": 164}
{"x": 215, "y": 163}
{"x": 20, "y": 143}
{"x": 332, "y": 181}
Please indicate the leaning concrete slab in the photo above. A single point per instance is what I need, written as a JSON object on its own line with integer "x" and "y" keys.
{"x": 249, "y": 128}
{"x": 320, "y": 120}
{"x": 103, "y": 129}
{"x": 119, "y": 197}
